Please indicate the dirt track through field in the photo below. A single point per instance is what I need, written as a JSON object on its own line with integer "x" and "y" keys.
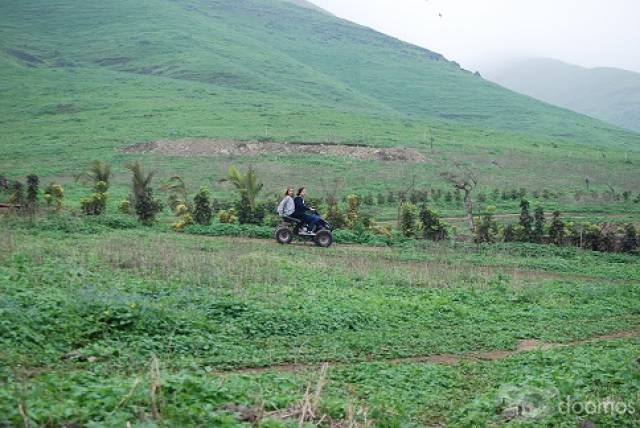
{"x": 446, "y": 359}
{"x": 204, "y": 147}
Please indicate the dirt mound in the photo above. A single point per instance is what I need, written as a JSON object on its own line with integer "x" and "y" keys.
{"x": 199, "y": 147}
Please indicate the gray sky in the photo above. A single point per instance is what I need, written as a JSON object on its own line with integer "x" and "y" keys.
{"x": 480, "y": 34}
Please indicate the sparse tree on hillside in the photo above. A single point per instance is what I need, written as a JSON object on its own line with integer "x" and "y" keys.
{"x": 526, "y": 221}
{"x": 557, "y": 231}
{"x": 538, "y": 226}
{"x": 432, "y": 227}
{"x": 32, "y": 192}
{"x": 408, "y": 219}
{"x": 488, "y": 228}
{"x": 465, "y": 180}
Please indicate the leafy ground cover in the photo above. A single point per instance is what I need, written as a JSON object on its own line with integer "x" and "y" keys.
{"x": 87, "y": 313}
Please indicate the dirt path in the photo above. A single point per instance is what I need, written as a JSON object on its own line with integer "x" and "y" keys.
{"x": 446, "y": 359}
{"x": 205, "y": 147}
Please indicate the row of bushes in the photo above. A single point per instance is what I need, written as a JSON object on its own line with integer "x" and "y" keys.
{"x": 440, "y": 196}
{"x": 414, "y": 221}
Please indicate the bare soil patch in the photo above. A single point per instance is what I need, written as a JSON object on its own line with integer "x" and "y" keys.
{"x": 204, "y": 147}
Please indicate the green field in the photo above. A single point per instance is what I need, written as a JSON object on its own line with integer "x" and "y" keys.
{"x": 105, "y": 322}
{"x": 84, "y": 314}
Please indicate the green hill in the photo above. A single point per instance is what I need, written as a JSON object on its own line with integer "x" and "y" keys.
{"x": 82, "y": 79}
{"x": 609, "y": 94}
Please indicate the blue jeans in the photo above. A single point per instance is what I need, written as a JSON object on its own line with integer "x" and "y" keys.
{"x": 311, "y": 220}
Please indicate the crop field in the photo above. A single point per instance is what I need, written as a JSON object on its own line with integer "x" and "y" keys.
{"x": 138, "y": 326}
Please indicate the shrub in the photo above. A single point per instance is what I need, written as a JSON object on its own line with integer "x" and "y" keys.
{"x": 249, "y": 213}
{"x": 96, "y": 204}
{"x": 432, "y": 227}
{"x": 408, "y": 219}
{"x": 335, "y": 216}
{"x": 592, "y": 237}
{"x": 185, "y": 217}
{"x": 495, "y": 195}
{"x": 227, "y": 216}
{"x": 609, "y": 237}
{"x": 32, "y": 192}
{"x": 510, "y": 234}
{"x": 630, "y": 240}
{"x": 557, "y": 230}
{"x": 202, "y": 211}
{"x": 487, "y": 230}
{"x": 353, "y": 204}
{"x": 147, "y": 207}
{"x": 538, "y": 227}
{"x": 17, "y": 193}
{"x": 176, "y": 193}
{"x": 391, "y": 197}
{"x": 125, "y": 206}
{"x": 53, "y": 195}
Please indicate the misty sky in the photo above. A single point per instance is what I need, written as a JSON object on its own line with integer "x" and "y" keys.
{"x": 479, "y": 34}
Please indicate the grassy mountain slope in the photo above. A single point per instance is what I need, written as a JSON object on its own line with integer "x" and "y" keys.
{"x": 609, "y": 94}
{"x": 84, "y": 78}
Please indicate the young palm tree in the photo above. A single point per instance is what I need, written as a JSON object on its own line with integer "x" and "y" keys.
{"x": 145, "y": 205}
{"x": 98, "y": 171}
{"x": 140, "y": 183}
{"x": 177, "y": 192}
{"x": 247, "y": 184}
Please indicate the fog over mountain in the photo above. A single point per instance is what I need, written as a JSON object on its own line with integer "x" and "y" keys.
{"x": 609, "y": 94}
{"x": 479, "y": 34}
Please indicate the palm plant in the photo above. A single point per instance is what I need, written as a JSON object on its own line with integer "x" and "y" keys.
{"x": 98, "y": 171}
{"x": 247, "y": 184}
{"x": 141, "y": 182}
{"x": 177, "y": 192}
{"x": 146, "y": 206}
{"x": 248, "y": 187}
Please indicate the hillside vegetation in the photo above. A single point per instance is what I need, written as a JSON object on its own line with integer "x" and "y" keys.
{"x": 609, "y": 94}
{"x": 83, "y": 79}
{"x": 143, "y": 148}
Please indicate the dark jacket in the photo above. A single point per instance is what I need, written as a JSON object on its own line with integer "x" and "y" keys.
{"x": 300, "y": 207}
